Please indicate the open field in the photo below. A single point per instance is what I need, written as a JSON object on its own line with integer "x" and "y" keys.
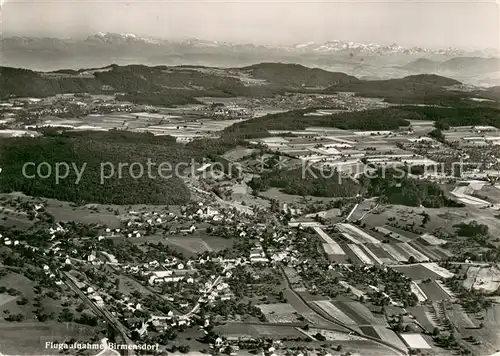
{"x": 358, "y": 233}
{"x": 442, "y": 218}
{"x": 6, "y": 298}
{"x": 334, "y": 336}
{"x": 334, "y": 312}
{"x": 459, "y": 318}
{"x": 415, "y": 341}
{"x": 128, "y": 285}
{"x": 362, "y": 209}
{"x": 168, "y": 123}
{"x": 28, "y": 338}
{"x": 434, "y": 267}
{"x": 350, "y": 254}
{"x": 19, "y": 282}
{"x": 308, "y": 297}
{"x": 418, "y": 292}
{"x": 423, "y": 317}
{"x": 358, "y": 293}
{"x": 432, "y": 240}
{"x": 193, "y": 245}
{"x": 10, "y": 218}
{"x": 359, "y": 313}
{"x": 108, "y": 215}
{"x": 296, "y": 302}
{"x": 350, "y": 238}
{"x": 238, "y": 153}
{"x": 388, "y": 335}
{"x": 372, "y": 255}
{"x": 360, "y": 254}
{"x": 445, "y": 288}
{"x": 410, "y": 250}
{"x": 292, "y": 275}
{"x": 381, "y": 254}
{"x": 433, "y": 291}
{"x": 275, "y": 193}
{"x": 332, "y": 247}
{"x": 388, "y": 232}
{"x": 394, "y": 253}
{"x": 64, "y": 212}
{"x": 417, "y": 272}
{"x": 254, "y": 331}
{"x": 279, "y": 312}
{"x": 433, "y": 253}
{"x": 490, "y": 333}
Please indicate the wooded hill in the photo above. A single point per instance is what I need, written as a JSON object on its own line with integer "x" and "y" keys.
{"x": 167, "y": 86}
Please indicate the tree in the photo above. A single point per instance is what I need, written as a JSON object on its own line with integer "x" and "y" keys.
{"x": 65, "y": 316}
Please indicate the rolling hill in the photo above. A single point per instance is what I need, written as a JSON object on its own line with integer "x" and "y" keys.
{"x": 463, "y": 64}
{"x": 167, "y": 86}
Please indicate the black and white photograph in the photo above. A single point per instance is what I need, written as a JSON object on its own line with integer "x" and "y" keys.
{"x": 249, "y": 177}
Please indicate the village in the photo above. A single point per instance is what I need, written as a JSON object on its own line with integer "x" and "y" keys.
{"x": 335, "y": 280}
{"x": 252, "y": 266}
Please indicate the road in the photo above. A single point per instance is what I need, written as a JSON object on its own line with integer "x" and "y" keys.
{"x": 337, "y": 322}
{"x": 240, "y": 208}
{"x": 100, "y": 311}
{"x": 352, "y": 211}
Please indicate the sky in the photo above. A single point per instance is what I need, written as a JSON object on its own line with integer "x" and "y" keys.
{"x": 467, "y": 24}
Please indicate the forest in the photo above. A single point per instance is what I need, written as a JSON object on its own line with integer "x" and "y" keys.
{"x": 391, "y": 186}
{"x": 92, "y": 149}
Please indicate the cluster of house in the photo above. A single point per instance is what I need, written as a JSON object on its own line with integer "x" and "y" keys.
{"x": 292, "y": 211}
{"x": 58, "y": 229}
{"x": 222, "y": 292}
{"x": 163, "y": 323}
{"x": 8, "y": 242}
{"x": 257, "y": 254}
{"x": 208, "y": 213}
{"x": 125, "y": 302}
{"x": 139, "y": 222}
{"x": 94, "y": 296}
{"x": 172, "y": 275}
{"x": 232, "y": 112}
{"x": 169, "y": 271}
{"x": 48, "y": 272}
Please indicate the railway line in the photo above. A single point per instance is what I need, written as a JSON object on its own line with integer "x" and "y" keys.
{"x": 102, "y": 312}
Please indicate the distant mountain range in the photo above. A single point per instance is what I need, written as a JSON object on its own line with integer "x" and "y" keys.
{"x": 330, "y": 47}
{"x": 370, "y": 61}
{"x": 455, "y": 64}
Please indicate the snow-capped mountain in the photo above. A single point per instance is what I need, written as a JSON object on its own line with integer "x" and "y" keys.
{"x": 372, "y": 60}
{"x": 336, "y": 46}
{"x": 309, "y": 48}
{"x": 117, "y": 38}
